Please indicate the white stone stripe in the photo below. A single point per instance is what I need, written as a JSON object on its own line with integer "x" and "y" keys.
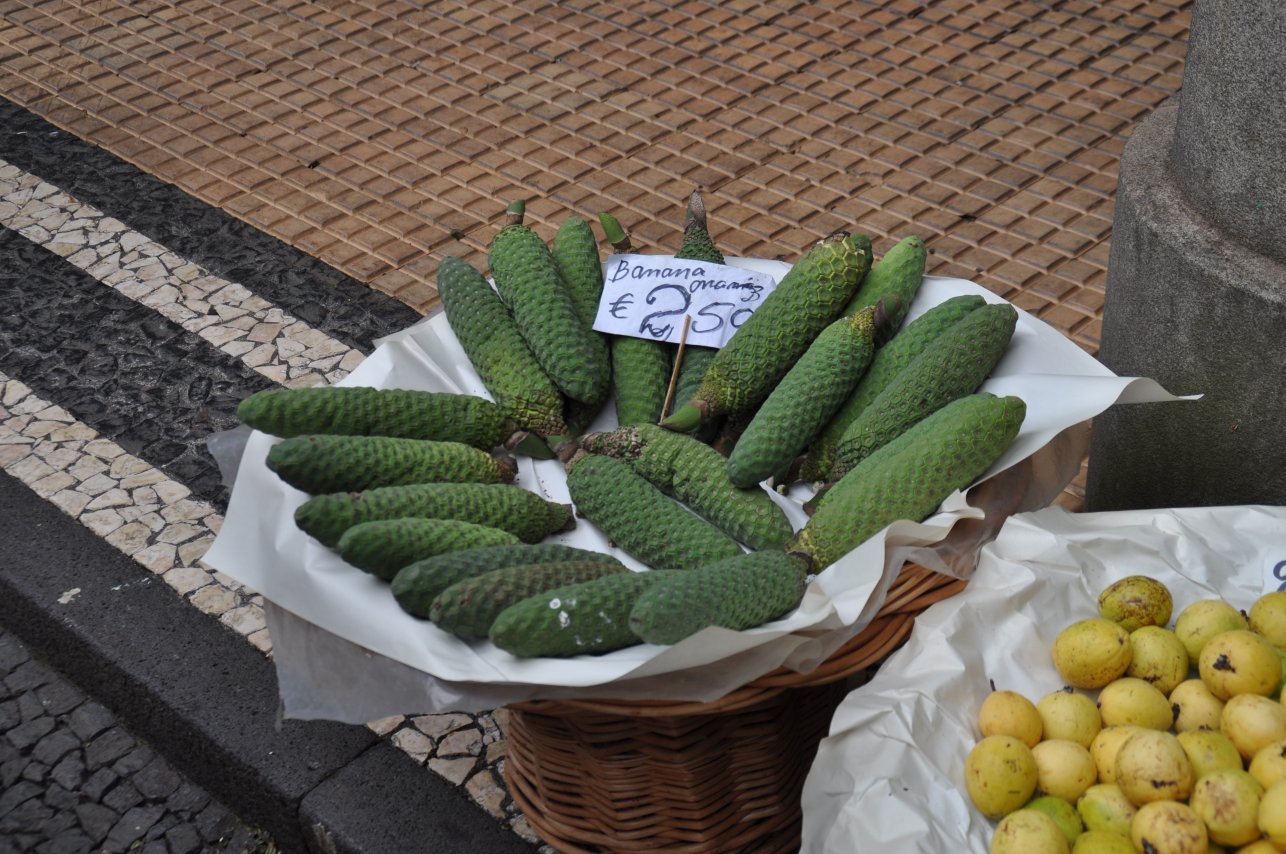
{"x": 124, "y": 500}
{"x": 226, "y": 314}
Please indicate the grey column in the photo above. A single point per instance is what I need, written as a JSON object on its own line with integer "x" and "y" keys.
{"x": 1196, "y": 291}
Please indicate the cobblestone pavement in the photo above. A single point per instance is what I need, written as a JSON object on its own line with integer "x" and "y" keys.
{"x": 73, "y": 780}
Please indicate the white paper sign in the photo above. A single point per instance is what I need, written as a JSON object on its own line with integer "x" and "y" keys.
{"x": 648, "y": 296}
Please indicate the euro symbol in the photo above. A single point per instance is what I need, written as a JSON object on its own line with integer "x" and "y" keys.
{"x": 618, "y": 307}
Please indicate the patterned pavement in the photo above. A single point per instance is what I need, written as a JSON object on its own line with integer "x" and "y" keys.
{"x": 380, "y": 136}
{"x": 72, "y": 779}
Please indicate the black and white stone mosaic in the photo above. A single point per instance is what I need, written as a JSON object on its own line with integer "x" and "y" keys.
{"x": 225, "y": 314}
{"x": 310, "y": 290}
{"x": 118, "y": 365}
{"x": 132, "y": 356}
{"x": 73, "y": 780}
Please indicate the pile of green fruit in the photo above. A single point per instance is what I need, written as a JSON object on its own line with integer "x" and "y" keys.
{"x": 1163, "y": 761}
{"x": 820, "y": 383}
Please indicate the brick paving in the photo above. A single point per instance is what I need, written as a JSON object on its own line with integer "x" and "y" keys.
{"x": 380, "y": 135}
{"x": 72, "y": 779}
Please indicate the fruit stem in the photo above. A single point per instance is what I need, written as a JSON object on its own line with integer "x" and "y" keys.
{"x": 515, "y": 212}
{"x": 614, "y": 233}
{"x": 686, "y": 418}
{"x": 529, "y": 444}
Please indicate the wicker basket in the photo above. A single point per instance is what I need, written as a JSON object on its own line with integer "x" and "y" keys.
{"x": 695, "y": 777}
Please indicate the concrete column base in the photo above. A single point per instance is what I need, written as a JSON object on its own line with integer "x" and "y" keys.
{"x": 1201, "y": 313}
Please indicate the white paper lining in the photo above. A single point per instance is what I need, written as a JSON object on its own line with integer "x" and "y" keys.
{"x": 356, "y": 627}
{"x": 891, "y": 773}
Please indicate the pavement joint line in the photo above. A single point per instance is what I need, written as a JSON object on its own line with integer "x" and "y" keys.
{"x": 226, "y": 314}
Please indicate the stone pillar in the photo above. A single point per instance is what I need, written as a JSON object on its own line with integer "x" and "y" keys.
{"x": 1196, "y": 290}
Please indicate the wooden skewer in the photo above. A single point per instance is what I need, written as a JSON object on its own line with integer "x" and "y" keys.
{"x": 678, "y": 363}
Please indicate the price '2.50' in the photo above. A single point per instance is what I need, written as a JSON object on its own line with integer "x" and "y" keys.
{"x": 707, "y": 319}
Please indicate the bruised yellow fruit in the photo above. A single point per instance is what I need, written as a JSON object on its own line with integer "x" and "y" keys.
{"x": 1268, "y": 617}
{"x": 1228, "y": 802}
{"x": 1201, "y": 621}
{"x": 1240, "y": 662}
{"x": 1252, "y": 722}
{"x": 1195, "y": 707}
{"x": 1133, "y": 702}
{"x": 1028, "y": 832}
{"x": 1158, "y": 657}
{"x": 1152, "y": 766}
{"x": 1209, "y": 751}
{"x": 1135, "y": 602}
{"x": 1269, "y": 764}
{"x": 1104, "y": 747}
{"x": 1064, "y": 769}
{"x": 1091, "y": 653}
{"x": 1105, "y": 807}
{"x": 1101, "y": 842}
{"x": 1062, "y": 812}
{"x": 1069, "y": 716}
{"x": 1000, "y": 775}
{"x": 1272, "y": 814}
{"x": 1168, "y": 827}
{"x": 1010, "y": 713}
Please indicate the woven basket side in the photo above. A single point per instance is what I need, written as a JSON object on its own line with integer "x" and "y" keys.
{"x": 696, "y": 783}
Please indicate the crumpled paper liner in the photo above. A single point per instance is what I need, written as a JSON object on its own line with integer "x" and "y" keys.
{"x": 344, "y": 650}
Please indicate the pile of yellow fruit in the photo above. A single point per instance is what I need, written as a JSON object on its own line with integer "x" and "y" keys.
{"x": 1160, "y": 763}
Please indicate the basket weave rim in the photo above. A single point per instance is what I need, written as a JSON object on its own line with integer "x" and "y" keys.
{"x": 915, "y": 589}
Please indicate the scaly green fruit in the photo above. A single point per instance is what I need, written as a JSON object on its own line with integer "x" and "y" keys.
{"x": 529, "y": 283}
{"x": 321, "y": 464}
{"x": 894, "y": 279}
{"x": 640, "y": 374}
{"x": 496, "y": 348}
{"x": 889, "y": 361}
{"x": 755, "y": 359}
{"x": 805, "y": 399}
{"x": 468, "y": 608}
{"x": 575, "y": 252}
{"x": 737, "y": 593}
{"x": 638, "y": 518}
{"x": 496, "y": 505}
{"x": 416, "y": 585}
{"x": 954, "y": 365}
{"x": 360, "y": 411}
{"x": 683, "y": 467}
{"x": 696, "y": 361}
{"x": 910, "y": 477}
{"x": 384, "y": 547}
{"x": 580, "y": 619}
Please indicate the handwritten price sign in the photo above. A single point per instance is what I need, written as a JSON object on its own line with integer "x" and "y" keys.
{"x": 648, "y": 296}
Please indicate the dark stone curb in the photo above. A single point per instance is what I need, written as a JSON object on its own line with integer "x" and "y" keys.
{"x": 206, "y": 700}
